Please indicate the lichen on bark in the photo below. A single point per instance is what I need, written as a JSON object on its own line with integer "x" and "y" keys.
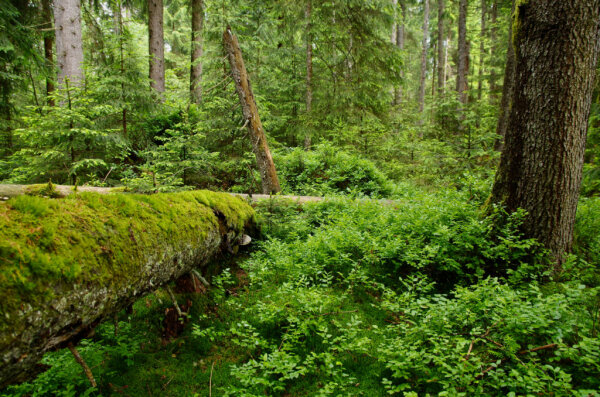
{"x": 67, "y": 263}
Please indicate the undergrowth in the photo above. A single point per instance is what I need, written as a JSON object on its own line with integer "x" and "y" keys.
{"x": 419, "y": 296}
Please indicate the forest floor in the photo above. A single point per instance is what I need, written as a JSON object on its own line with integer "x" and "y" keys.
{"x": 351, "y": 297}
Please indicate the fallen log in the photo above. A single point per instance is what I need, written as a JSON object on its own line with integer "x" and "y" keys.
{"x": 50, "y": 190}
{"x": 67, "y": 264}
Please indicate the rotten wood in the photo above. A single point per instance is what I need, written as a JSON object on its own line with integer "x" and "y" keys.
{"x": 264, "y": 160}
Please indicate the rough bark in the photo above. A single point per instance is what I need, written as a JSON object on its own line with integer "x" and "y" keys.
{"x": 425, "y": 43}
{"x": 98, "y": 254}
{"x": 556, "y": 46}
{"x": 48, "y": 48}
{"x": 69, "y": 49}
{"x": 441, "y": 52}
{"x": 309, "y": 69}
{"x": 156, "y": 45}
{"x": 462, "y": 69}
{"x": 507, "y": 89}
{"x": 264, "y": 160}
{"x": 197, "y": 50}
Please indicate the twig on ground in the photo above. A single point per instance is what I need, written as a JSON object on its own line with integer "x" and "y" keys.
{"x": 81, "y": 361}
{"x": 210, "y": 380}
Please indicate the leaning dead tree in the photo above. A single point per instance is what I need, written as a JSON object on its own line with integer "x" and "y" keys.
{"x": 68, "y": 263}
{"x": 264, "y": 160}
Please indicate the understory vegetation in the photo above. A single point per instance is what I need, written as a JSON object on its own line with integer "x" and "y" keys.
{"x": 408, "y": 277}
{"x": 412, "y": 296}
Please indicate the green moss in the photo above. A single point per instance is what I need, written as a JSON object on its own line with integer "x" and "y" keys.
{"x": 103, "y": 239}
{"x": 517, "y": 23}
{"x": 43, "y": 190}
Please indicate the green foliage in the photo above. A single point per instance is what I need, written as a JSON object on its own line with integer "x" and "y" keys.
{"x": 490, "y": 339}
{"x": 358, "y": 297}
{"x": 65, "y": 144}
{"x": 175, "y": 157}
{"x": 446, "y": 239}
{"x": 327, "y": 170}
{"x": 319, "y": 319}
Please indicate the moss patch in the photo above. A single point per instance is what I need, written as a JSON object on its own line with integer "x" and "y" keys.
{"x": 49, "y": 245}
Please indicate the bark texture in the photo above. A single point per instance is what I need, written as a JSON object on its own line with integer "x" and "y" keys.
{"x": 440, "y": 42}
{"x": 463, "y": 53}
{"x": 156, "y": 45}
{"x": 309, "y": 69}
{"x": 197, "y": 49}
{"x": 556, "y": 46}
{"x": 69, "y": 49}
{"x": 424, "y": 55}
{"x": 507, "y": 89}
{"x": 264, "y": 160}
{"x": 75, "y": 261}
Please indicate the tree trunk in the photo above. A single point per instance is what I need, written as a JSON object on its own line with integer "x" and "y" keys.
{"x": 156, "y": 45}
{"x": 264, "y": 160}
{"x": 100, "y": 255}
{"x": 309, "y": 70}
{"x": 119, "y": 31}
{"x": 494, "y": 48}
{"x": 197, "y": 49}
{"x": 400, "y": 28}
{"x": 440, "y": 43}
{"x": 463, "y": 56}
{"x": 69, "y": 49}
{"x": 48, "y": 48}
{"x": 482, "y": 49}
{"x": 424, "y": 55}
{"x": 556, "y": 45}
{"x": 395, "y": 23}
{"x": 507, "y": 89}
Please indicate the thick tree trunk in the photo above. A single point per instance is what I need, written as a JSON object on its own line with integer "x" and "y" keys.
{"x": 197, "y": 49}
{"x": 156, "y": 45}
{"x": 441, "y": 52}
{"x": 425, "y": 43}
{"x": 80, "y": 259}
{"x": 463, "y": 54}
{"x": 507, "y": 89}
{"x": 309, "y": 70}
{"x": 556, "y": 45}
{"x": 48, "y": 48}
{"x": 482, "y": 49}
{"x": 264, "y": 160}
{"x": 69, "y": 49}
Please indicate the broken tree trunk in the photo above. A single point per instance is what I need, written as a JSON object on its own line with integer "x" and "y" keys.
{"x": 264, "y": 160}
{"x": 66, "y": 264}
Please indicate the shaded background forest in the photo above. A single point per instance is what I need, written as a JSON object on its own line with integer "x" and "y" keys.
{"x": 366, "y": 100}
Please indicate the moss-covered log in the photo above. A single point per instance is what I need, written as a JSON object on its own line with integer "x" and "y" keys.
{"x": 50, "y": 190}
{"x": 66, "y": 264}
